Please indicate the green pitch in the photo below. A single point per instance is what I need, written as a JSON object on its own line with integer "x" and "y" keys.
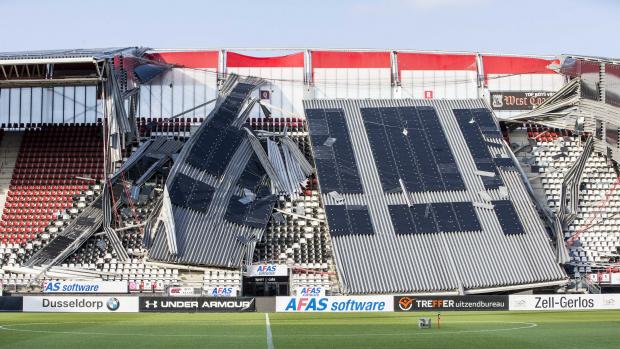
{"x": 592, "y": 329}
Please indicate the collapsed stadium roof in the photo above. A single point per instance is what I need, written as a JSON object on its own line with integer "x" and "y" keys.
{"x": 465, "y": 223}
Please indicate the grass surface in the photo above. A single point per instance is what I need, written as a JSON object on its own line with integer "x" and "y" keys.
{"x": 592, "y": 329}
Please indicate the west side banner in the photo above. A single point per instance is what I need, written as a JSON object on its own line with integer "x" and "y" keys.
{"x": 340, "y": 304}
{"x": 565, "y": 302}
{"x": 70, "y": 304}
{"x": 518, "y": 100}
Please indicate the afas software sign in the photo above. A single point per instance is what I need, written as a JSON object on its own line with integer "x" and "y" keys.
{"x": 450, "y": 303}
{"x": 340, "y": 304}
{"x": 69, "y": 286}
{"x": 76, "y": 304}
{"x": 565, "y": 302}
{"x": 197, "y": 304}
{"x": 259, "y": 270}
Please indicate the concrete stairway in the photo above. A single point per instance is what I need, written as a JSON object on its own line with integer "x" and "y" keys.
{"x": 9, "y": 150}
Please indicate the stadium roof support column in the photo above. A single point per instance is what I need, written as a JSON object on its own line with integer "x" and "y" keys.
{"x": 480, "y": 79}
{"x": 396, "y": 92}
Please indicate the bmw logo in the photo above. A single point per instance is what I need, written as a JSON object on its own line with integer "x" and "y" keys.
{"x": 113, "y": 304}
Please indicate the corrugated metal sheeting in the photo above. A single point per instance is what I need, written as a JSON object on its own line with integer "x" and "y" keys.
{"x": 385, "y": 262}
{"x": 201, "y": 235}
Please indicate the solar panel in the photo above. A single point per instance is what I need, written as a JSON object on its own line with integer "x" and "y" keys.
{"x": 254, "y": 214}
{"x": 189, "y": 193}
{"x": 423, "y": 218}
{"x": 401, "y": 219}
{"x": 466, "y": 215}
{"x": 408, "y": 143}
{"x": 336, "y": 166}
{"x": 214, "y": 148}
{"x": 485, "y": 121}
{"x": 506, "y": 163}
{"x": 507, "y": 216}
{"x": 474, "y": 138}
{"x": 434, "y": 217}
{"x": 348, "y": 220}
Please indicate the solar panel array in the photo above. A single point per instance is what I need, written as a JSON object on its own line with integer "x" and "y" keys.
{"x": 348, "y": 220}
{"x": 475, "y": 124}
{"x": 333, "y": 152}
{"x": 409, "y": 144}
{"x": 412, "y": 218}
{"x": 434, "y": 217}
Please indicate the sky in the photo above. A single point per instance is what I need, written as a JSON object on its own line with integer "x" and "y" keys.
{"x": 540, "y": 27}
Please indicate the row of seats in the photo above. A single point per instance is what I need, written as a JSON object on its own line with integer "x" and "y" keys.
{"x": 599, "y": 200}
{"x": 44, "y": 195}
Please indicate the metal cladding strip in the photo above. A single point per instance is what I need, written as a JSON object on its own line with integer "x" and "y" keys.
{"x": 562, "y": 255}
{"x": 295, "y": 175}
{"x": 117, "y": 245}
{"x": 151, "y": 223}
{"x": 135, "y": 156}
{"x": 278, "y": 183}
{"x": 306, "y": 167}
{"x": 166, "y": 217}
{"x": 275, "y": 158}
{"x": 481, "y": 259}
{"x": 293, "y": 169}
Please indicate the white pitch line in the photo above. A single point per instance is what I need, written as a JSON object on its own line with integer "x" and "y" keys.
{"x": 269, "y": 337}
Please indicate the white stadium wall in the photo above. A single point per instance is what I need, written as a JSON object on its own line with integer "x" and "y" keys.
{"x": 59, "y": 104}
{"x": 193, "y": 81}
{"x": 519, "y": 74}
{"x": 285, "y": 75}
{"x": 348, "y": 74}
{"x": 337, "y": 74}
{"x": 437, "y": 75}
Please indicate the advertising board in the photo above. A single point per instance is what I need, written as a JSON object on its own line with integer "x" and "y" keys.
{"x": 94, "y": 286}
{"x": 450, "y": 303}
{"x": 77, "y": 304}
{"x": 564, "y": 302}
{"x": 518, "y": 100}
{"x": 197, "y": 304}
{"x": 339, "y": 304}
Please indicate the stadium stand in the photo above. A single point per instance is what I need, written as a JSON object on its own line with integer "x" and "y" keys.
{"x": 316, "y": 160}
{"x": 592, "y": 238}
{"x": 54, "y": 177}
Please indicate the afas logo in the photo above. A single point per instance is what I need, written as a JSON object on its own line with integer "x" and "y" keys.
{"x": 307, "y": 304}
{"x": 405, "y": 303}
{"x": 221, "y": 292}
{"x": 311, "y": 292}
{"x": 266, "y": 269}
